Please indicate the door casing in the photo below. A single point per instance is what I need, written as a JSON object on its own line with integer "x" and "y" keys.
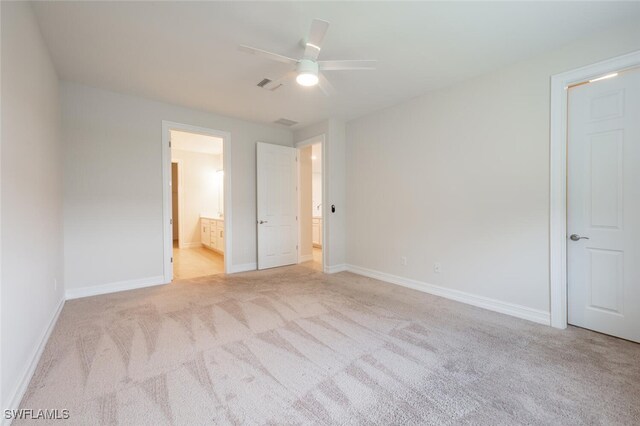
{"x": 319, "y": 139}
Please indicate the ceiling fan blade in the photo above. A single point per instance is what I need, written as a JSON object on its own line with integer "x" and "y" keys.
{"x": 267, "y": 55}
{"x": 316, "y": 36}
{"x": 347, "y": 65}
{"x": 275, "y": 84}
{"x": 326, "y": 87}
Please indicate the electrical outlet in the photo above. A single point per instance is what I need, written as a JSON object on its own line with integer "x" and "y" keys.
{"x": 403, "y": 261}
{"x": 437, "y": 267}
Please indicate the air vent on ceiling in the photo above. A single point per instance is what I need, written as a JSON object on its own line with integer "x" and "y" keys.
{"x": 264, "y": 82}
{"x": 286, "y": 122}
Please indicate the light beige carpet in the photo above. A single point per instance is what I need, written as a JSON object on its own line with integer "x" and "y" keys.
{"x": 294, "y": 346}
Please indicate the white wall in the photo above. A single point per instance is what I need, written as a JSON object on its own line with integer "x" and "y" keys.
{"x": 113, "y": 183}
{"x": 316, "y": 186}
{"x": 461, "y": 176}
{"x": 31, "y": 193}
{"x": 201, "y": 190}
{"x": 334, "y": 154}
{"x": 316, "y": 179}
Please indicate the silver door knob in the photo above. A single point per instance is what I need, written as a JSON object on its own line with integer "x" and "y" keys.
{"x": 576, "y": 237}
{"x": 262, "y": 221}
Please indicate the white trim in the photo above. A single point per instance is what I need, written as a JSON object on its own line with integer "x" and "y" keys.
{"x": 519, "y": 311}
{"x": 167, "y": 126}
{"x": 245, "y": 267}
{"x": 311, "y": 141}
{"x": 558, "y": 175}
{"x": 306, "y": 258}
{"x": 326, "y": 237}
{"x": 299, "y": 204}
{"x": 299, "y": 146}
{"x": 335, "y": 269}
{"x": 321, "y": 139}
{"x": 13, "y": 402}
{"x": 76, "y": 293}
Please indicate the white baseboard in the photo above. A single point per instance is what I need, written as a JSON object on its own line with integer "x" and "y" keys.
{"x": 336, "y": 268}
{"x": 306, "y": 258}
{"x": 13, "y": 402}
{"x": 519, "y": 311}
{"x": 245, "y": 267}
{"x": 76, "y": 293}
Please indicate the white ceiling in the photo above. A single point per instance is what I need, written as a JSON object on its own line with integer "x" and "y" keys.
{"x": 194, "y": 142}
{"x": 186, "y": 52}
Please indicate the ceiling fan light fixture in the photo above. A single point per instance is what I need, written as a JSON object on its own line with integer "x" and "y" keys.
{"x": 307, "y": 79}
{"x": 307, "y": 73}
{"x": 307, "y": 69}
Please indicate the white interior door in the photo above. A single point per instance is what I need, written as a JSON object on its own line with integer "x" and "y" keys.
{"x": 277, "y": 206}
{"x": 603, "y": 245}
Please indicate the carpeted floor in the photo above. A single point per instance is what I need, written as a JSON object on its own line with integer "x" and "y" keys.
{"x": 294, "y": 346}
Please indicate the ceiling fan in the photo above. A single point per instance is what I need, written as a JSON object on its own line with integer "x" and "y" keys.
{"x": 307, "y": 70}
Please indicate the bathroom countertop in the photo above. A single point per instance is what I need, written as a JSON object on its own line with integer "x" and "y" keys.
{"x": 203, "y": 216}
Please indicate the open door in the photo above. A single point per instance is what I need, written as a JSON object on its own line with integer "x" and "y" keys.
{"x": 277, "y": 206}
{"x": 603, "y": 205}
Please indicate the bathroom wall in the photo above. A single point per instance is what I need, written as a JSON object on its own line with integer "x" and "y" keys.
{"x": 201, "y": 189}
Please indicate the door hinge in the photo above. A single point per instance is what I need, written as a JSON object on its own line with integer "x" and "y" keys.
{"x": 172, "y": 260}
{"x": 296, "y": 248}
{"x": 169, "y": 144}
{"x": 170, "y": 221}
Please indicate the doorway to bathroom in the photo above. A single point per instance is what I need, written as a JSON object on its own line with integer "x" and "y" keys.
{"x": 311, "y": 220}
{"x": 196, "y": 202}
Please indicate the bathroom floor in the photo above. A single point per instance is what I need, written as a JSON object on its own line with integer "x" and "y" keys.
{"x": 196, "y": 262}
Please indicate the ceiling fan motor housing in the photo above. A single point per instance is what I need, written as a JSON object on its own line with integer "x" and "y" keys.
{"x": 307, "y": 66}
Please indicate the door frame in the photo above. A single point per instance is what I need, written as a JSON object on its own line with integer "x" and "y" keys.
{"x": 318, "y": 139}
{"x": 167, "y": 231}
{"x": 560, "y": 84}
